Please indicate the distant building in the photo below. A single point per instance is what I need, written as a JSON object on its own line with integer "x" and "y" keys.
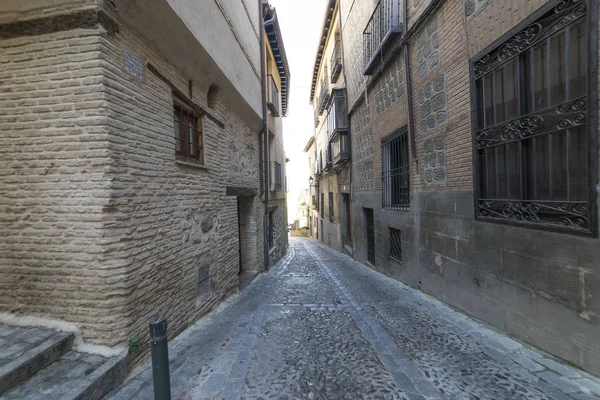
{"x": 329, "y": 150}
{"x": 134, "y": 175}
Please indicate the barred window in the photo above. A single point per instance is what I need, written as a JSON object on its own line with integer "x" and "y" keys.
{"x": 396, "y": 244}
{"x": 531, "y": 124}
{"x": 331, "y": 206}
{"x": 396, "y": 171}
{"x": 189, "y": 141}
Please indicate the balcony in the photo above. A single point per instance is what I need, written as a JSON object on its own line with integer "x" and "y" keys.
{"x": 272, "y": 95}
{"x": 384, "y": 24}
{"x": 316, "y": 118}
{"x": 337, "y": 115}
{"x": 340, "y": 148}
{"x": 335, "y": 64}
{"x": 323, "y": 95}
{"x": 275, "y": 176}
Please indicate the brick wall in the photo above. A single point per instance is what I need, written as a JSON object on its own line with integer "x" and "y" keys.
{"x": 54, "y": 187}
{"x": 100, "y": 225}
{"x": 517, "y": 279}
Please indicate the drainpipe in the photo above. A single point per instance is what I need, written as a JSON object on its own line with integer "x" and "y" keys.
{"x": 409, "y": 98}
{"x": 264, "y": 134}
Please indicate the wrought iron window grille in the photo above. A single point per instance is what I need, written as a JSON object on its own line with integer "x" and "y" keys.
{"x": 396, "y": 171}
{"x": 531, "y": 125}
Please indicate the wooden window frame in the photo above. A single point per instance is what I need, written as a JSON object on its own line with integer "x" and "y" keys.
{"x": 183, "y": 144}
{"x": 579, "y": 218}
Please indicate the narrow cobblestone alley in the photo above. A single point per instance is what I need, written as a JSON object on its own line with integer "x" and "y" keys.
{"x": 321, "y": 326}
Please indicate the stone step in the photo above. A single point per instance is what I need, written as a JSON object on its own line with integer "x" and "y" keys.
{"x": 74, "y": 376}
{"x": 26, "y": 350}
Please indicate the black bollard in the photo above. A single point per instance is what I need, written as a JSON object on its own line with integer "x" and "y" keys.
{"x": 160, "y": 358}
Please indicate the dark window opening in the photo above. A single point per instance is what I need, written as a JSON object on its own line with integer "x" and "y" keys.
{"x": 370, "y": 235}
{"x": 396, "y": 171}
{"x": 331, "y": 206}
{"x": 396, "y": 244}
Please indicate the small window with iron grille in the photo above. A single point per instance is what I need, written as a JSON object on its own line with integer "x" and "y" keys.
{"x": 396, "y": 171}
{"x": 331, "y": 206}
{"x": 189, "y": 141}
{"x": 396, "y": 244}
{"x": 322, "y": 205}
{"x": 533, "y": 141}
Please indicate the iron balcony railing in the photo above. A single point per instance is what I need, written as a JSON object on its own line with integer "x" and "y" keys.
{"x": 273, "y": 95}
{"x": 328, "y": 159}
{"x": 337, "y": 115}
{"x": 275, "y": 176}
{"x": 385, "y": 21}
{"x": 323, "y": 95}
{"x": 335, "y": 64}
{"x": 316, "y": 115}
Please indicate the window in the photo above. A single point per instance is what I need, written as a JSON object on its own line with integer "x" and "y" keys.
{"x": 189, "y": 141}
{"x": 531, "y": 125}
{"x": 396, "y": 171}
{"x": 322, "y": 205}
{"x": 396, "y": 244}
{"x": 271, "y": 233}
{"x": 331, "y": 206}
{"x": 370, "y": 235}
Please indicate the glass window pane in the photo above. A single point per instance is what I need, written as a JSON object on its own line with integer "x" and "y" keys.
{"x": 483, "y": 174}
{"x": 502, "y": 173}
{"x": 499, "y": 100}
{"x": 578, "y": 161}
{"x": 512, "y": 90}
{"x": 513, "y": 166}
{"x": 578, "y": 59}
{"x": 558, "y": 73}
{"x": 542, "y": 168}
{"x": 540, "y": 75}
{"x": 489, "y": 100}
{"x": 178, "y": 128}
{"x": 559, "y": 166}
{"x": 491, "y": 172}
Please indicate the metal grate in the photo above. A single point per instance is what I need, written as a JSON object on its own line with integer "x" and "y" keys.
{"x": 189, "y": 143}
{"x": 396, "y": 171}
{"x": 273, "y": 95}
{"x": 275, "y": 176}
{"x": 370, "y": 235}
{"x": 384, "y": 21}
{"x": 531, "y": 125}
{"x": 203, "y": 281}
{"x": 396, "y": 244}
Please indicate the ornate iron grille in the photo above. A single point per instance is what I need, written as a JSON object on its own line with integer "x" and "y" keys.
{"x": 396, "y": 171}
{"x": 370, "y": 235}
{"x": 335, "y": 62}
{"x": 531, "y": 124}
{"x": 396, "y": 244}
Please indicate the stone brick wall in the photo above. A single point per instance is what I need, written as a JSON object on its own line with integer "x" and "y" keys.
{"x": 54, "y": 187}
{"x": 536, "y": 285}
{"x": 100, "y": 225}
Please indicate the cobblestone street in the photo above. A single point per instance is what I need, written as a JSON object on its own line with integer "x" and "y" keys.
{"x": 320, "y": 326}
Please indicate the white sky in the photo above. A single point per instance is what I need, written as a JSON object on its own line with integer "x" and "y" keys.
{"x": 300, "y": 22}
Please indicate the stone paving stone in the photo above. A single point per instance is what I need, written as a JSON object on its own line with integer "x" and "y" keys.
{"x": 593, "y": 386}
{"x": 563, "y": 384}
{"x": 321, "y": 326}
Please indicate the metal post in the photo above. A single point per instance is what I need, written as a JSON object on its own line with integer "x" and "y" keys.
{"x": 160, "y": 358}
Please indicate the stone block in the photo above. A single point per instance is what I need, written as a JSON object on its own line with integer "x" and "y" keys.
{"x": 443, "y": 245}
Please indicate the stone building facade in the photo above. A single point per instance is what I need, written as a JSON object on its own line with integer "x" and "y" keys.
{"x": 131, "y": 160}
{"x": 433, "y": 160}
{"x": 330, "y": 147}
